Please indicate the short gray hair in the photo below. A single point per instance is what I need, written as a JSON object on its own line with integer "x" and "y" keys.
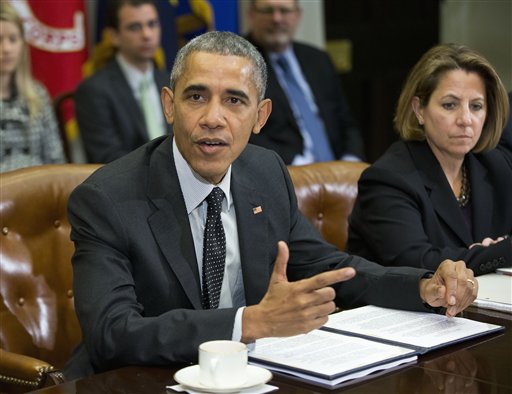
{"x": 226, "y": 44}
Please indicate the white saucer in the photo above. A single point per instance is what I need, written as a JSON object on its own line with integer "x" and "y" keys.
{"x": 189, "y": 377}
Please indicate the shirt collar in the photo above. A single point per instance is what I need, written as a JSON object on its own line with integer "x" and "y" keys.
{"x": 194, "y": 188}
{"x": 287, "y": 53}
{"x": 133, "y": 74}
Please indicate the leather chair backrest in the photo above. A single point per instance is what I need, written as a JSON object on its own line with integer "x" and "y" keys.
{"x": 36, "y": 305}
{"x": 326, "y": 193}
{"x": 36, "y": 299}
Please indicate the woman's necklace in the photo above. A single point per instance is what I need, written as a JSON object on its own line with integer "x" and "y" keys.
{"x": 463, "y": 199}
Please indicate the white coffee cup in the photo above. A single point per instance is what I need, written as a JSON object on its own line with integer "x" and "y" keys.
{"x": 222, "y": 364}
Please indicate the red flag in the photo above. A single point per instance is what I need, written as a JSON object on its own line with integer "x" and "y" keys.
{"x": 56, "y": 32}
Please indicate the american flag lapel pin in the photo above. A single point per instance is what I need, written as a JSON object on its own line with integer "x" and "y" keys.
{"x": 257, "y": 210}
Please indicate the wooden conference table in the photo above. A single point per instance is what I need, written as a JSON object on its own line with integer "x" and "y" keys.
{"x": 482, "y": 365}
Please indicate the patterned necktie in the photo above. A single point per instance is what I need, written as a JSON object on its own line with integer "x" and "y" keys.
{"x": 308, "y": 120}
{"x": 151, "y": 121}
{"x": 214, "y": 250}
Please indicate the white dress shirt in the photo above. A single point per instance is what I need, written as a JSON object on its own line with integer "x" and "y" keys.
{"x": 195, "y": 189}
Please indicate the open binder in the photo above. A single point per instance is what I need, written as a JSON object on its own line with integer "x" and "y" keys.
{"x": 361, "y": 341}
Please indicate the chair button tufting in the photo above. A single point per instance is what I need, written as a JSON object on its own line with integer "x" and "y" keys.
{"x": 320, "y": 216}
{"x": 5, "y": 230}
{"x": 56, "y": 223}
{"x": 21, "y": 301}
{"x": 70, "y": 293}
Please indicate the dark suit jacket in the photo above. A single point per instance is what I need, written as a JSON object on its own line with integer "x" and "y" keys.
{"x": 110, "y": 119}
{"x": 136, "y": 282}
{"x": 406, "y": 213}
{"x": 281, "y": 132}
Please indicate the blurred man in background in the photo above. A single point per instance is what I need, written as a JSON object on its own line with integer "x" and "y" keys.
{"x": 115, "y": 107}
{"x": 310, "y": 120}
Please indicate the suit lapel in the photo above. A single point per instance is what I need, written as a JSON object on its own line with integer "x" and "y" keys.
{"x": 127, "y": 100}
{"x": 252, "y": 222}
{"x": 480, "y": 197}
{"x": 310, "y": 73}
{"x": 274, "y": 89}
{"x": 277, "y": 93}
{"x": 439, "y": 191}
{"x": 169, "y": 223}
{"x": 314, "y": 78}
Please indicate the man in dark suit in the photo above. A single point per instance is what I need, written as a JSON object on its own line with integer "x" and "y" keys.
{"x": 142, "y": 294}
{"x": 272, "y": 27}
{"x": 111, "y": 105}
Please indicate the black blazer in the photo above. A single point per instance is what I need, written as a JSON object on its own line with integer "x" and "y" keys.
{"x": 406, "y": 213}
{"x": 110, "y": 119}
{"x": 136, "y": 282}
{"x": 281, "y": 132}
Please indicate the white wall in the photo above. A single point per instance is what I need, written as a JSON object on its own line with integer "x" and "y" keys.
{"x": 484, "y": 25}
{"x": 311, "y": 28}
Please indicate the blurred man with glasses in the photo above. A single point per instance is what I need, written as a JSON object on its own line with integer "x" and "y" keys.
{"x": 311, "y": 119}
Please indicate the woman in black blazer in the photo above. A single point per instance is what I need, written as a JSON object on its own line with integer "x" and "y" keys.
{"x": 445, "y": 190}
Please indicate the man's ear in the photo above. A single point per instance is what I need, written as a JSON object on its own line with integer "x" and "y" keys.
{"x": 113, "y": 36}
{"x": 167, "y": 97}
{"x": 418, "y": 109}
{"x": 264, "y": 110}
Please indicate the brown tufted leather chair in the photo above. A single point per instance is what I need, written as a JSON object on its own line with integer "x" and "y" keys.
{"x": 37, "y": 315}
{"x": 326, "y": 193}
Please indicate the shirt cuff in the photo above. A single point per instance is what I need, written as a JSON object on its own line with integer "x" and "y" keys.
{"x": 349, "y": 157}
{"x": 435, "y": 309}
{"x": 237, "y": 328}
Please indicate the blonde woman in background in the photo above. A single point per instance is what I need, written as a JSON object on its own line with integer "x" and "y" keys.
{"x": 28, "y": 130}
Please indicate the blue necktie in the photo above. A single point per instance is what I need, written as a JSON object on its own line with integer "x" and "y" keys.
{"x": 214, "y": 250}
{"x": 308, "y": 120}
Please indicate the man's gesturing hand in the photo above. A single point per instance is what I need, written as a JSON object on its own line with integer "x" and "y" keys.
{"x": 292, "y": 308}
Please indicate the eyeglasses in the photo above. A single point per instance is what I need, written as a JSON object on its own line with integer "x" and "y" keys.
{"x": 285, "y": 11}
